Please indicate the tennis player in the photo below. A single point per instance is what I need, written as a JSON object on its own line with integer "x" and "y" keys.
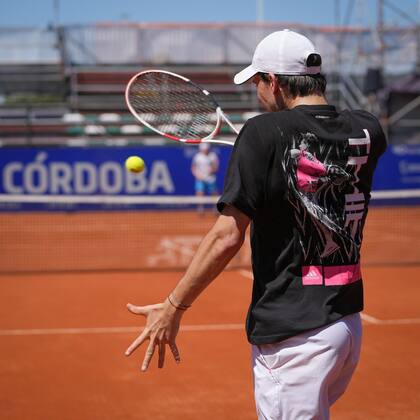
{"x": 301, "y": 175}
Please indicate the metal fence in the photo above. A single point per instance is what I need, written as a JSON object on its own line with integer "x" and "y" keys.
{"x": 349, "y": 50}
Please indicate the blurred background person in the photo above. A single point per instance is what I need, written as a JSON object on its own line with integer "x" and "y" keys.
{"x": 204, "y": 167}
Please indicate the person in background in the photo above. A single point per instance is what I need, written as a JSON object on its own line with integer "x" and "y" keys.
{"x": 204, "y": 167}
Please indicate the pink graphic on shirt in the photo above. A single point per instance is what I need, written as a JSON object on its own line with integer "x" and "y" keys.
{"x": 322, "y": 176}
{"x": 333, "y": 275}
{"x": 308, "y": 173}
{"x": 341, "y": 274}
{"x": 311, "y": 176}
{"x": 310, "y": 164}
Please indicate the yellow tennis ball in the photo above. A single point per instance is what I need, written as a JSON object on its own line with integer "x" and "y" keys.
{"x": 134, "y": 164}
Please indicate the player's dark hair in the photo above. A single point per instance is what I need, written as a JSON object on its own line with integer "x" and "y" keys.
{"x": 309, "y": 84}
{"x": 305, "y": 85}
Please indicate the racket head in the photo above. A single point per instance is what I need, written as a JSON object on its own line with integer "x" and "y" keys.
{"x": 173, "y": 106}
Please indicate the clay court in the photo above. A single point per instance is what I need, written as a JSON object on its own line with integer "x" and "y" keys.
{"x": 64, "y": 327}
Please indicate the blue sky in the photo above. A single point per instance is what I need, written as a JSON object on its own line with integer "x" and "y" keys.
{"x": 317, "y": 12}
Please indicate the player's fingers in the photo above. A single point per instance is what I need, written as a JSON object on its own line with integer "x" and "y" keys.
{"x": 137, "y": 342}
{"x": 162, "y": 350}
{"x": 175, "y": 351}
{"x": 138, "y": 310}
{"x": 148, "y": 356}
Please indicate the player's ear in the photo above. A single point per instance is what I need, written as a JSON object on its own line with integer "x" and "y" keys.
{"x": 274, "y": 83}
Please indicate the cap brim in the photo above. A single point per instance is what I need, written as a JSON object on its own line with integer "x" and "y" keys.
{"x": 244, "y": 75}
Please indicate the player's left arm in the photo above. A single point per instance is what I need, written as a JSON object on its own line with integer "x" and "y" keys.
{"x": 218, "y": 247}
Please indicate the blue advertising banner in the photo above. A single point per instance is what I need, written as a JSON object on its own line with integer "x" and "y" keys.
{"x": 398, "y": 168}
{"x": 101, "y": 171}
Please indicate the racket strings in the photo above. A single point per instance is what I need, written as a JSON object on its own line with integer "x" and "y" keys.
{"x": 173, "y": 106}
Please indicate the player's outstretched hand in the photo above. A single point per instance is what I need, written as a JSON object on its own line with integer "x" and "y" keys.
{"x": 162, "y": 325}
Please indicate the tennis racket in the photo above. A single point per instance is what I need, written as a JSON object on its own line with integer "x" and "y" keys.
{"x": 175, "y": 107}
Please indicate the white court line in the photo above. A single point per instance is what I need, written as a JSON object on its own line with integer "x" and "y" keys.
{"x": 114, "y": 330}
{"x": 401, "y": 321}
{"x": 199, "y": 327}
{"x": 365, "y": 317}
{"x": 246, "y": 273}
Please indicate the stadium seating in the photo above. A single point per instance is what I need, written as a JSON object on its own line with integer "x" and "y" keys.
{"x": 94, "y": 106}
{"x": 101, "y": 89}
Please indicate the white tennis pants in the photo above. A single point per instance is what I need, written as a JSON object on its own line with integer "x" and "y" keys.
{"x": 301, "y": 377}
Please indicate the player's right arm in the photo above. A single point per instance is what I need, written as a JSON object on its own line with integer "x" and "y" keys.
{"x": 218, "y": 247}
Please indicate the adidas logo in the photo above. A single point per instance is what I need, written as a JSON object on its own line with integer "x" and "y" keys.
{"x": 312, "y": 274}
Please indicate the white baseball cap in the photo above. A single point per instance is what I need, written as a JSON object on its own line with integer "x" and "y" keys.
{"x": 283, "y": 52}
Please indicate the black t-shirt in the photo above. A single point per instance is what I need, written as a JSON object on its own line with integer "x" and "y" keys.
{"x": 304, "y": 178}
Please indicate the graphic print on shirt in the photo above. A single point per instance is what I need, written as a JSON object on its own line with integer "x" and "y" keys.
{"x": 323, "y": 180}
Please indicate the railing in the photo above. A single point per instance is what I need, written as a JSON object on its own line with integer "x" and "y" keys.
{"x": 218, "y": 44}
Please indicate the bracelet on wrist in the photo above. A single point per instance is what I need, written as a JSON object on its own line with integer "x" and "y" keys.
{"x": 176, "y": 304}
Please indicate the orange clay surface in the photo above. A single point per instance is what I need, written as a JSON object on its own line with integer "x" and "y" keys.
{"x": 156, "y": 240}
{"x": 63, "y": 337}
